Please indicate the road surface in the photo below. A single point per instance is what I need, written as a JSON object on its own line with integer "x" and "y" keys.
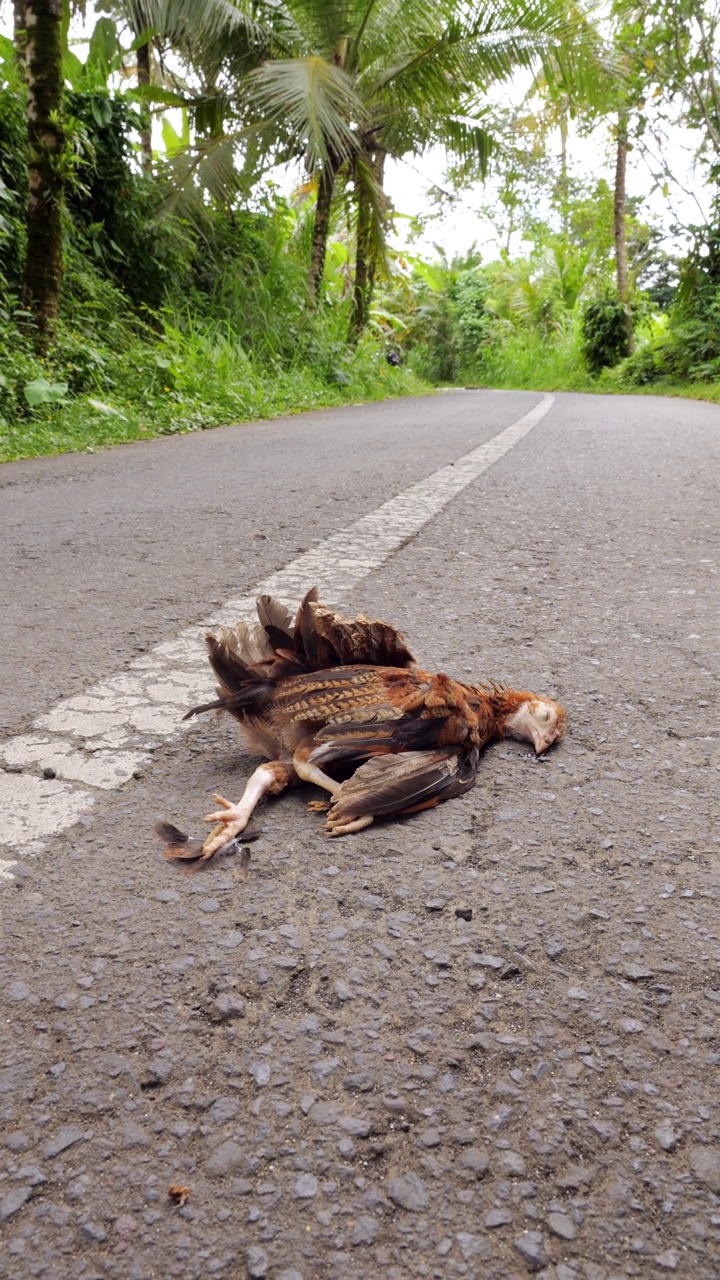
{"x": 483, "y": 1041}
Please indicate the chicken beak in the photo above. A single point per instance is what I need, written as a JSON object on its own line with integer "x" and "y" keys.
{"x": 542, "y": 744}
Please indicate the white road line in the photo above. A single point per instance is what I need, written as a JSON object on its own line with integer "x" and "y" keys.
{"x": 101, "y": 737}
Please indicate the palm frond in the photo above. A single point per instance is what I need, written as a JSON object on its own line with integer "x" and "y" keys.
{"x": 314, "y": 100}
{"x": 207, "y": 165}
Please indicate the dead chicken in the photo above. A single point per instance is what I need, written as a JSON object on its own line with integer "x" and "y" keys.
{"x": 328, "y": 696}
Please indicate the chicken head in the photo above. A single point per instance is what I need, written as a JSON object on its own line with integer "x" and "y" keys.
{"x": 537, "y": 720}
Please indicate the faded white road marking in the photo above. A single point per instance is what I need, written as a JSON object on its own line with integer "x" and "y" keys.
{"x": 101, "y": 737}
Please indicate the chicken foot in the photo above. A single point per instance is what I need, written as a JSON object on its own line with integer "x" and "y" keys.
{"x": 232, "y": 819}
{"x": 312, "y": 773}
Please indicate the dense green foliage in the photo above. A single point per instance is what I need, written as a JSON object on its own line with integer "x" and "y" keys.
{"x": 603, "y": 331}
{"x": 166, "y": 324}
{"x": 191, "y": 293}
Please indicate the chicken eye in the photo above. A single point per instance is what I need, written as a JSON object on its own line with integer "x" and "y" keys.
{"x": 542, "y": 714}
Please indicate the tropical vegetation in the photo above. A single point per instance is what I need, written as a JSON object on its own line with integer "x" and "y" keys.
{"x": 154, "y": 278}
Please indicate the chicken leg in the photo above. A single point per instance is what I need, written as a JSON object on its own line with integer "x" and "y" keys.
{"x": 231, "y": 819}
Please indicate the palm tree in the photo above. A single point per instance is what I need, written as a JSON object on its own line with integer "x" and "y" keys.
{"x": 43, "y": 74}
{"x": 413, "y": 75}
{"x": 347, "y": 83}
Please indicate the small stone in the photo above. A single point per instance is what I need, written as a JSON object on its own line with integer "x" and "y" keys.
{"x": 633, "y": 1026}
{"x": 209, "y": 905}
{"x": 577, "y": 993}
{"x": 66, "y": 1137}
{"x": 576, "y": 1176}
{"x": 365, "y": 1230}
{"x": 227, "y": 1007}
{"x": 359, "y": 1082}
{"x": 17, "y": 990}
{"x": 668, "y": 1260}
{"x": 464, "y": 913}
{"x": 343, "y": 990}
{"x": 167, "y": 895}
{"x": 13, "y": 1201}
{"x": 133, "y": 1135}
{"x": 125, "y": 1225}
{"x": 305, "y": 1187}
{"x": 667, "y": 1137}
{"x": 16, "y": 1141}
{"x": 325, "y": 1113}
{"x": 531, "y": 1247}
{"x": 228, "y": 1157}
{"x": 93, "y": 1231}
{"x": 512, "y": 1164}
{"x": 553, "y": 948}
{"x": 429, "y": 1138}
{"x": 471, "y": 1245}
{"x": 260, "y": 1072}
{"x": 408, "y": 1192}
{"x": 435, "y": 904}
{"x": 561, "y": 1225}
{"x": 48, "y": 772}
{"x": 475, "y": 1160}
{"x": 497, "y": 1218}
{"x": 486, "y": 961}
{"x": 159, "y": 1070}
{"x": 231, "y": 940}
{"x": 636, "y": 972}
{"x": 604, "y": 1129}
{"x": 257, "y": 1262}
{"x": 705, "y": 1166}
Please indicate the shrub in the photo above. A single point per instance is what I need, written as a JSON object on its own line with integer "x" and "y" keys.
{"x": 603, "y": 331}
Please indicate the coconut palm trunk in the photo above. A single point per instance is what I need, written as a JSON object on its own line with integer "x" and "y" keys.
{"x": 321, "y": 226}
{"x": 43, "y": 264}
{"x": 143, "y": 78}
{"x": 621, "y": 258}
{"x": 366, "y": 249}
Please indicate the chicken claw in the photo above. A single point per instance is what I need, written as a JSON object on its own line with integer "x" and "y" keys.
{"x": 347, "y": 828}
{"x": 230, "y": 821}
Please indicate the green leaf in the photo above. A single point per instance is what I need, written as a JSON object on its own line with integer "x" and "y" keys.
{"x": 40, "y": 391}
{"x": 101, "y": 109}
{"x": 73, "y": 69}
{"x": 155, "y": 93}
{"x": 106, "y": 409}
{"x": 104, "y": 43}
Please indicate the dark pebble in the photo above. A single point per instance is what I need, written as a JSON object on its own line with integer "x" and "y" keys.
{"x": 531, "y": 1247}
{"x": 408, "y": 1192}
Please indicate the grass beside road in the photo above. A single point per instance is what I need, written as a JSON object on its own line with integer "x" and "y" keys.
{"x": 90, "y": 396}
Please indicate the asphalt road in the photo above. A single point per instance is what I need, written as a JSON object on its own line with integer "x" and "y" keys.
{"x": 350, "y": 1076}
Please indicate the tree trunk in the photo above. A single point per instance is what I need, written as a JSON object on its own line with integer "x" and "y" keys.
{"x": 19, "y": 36}
{"x": 621, "y": 261}
{"x": 143, "y": 77}
{"x": 43, "y": 264}
{"x": 564, "y": 181}
{"x": 321, "y": 228}
{"x": 365, "y": 258}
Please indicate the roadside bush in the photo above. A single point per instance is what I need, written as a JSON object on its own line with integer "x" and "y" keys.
{"x": 603, "y": 332}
